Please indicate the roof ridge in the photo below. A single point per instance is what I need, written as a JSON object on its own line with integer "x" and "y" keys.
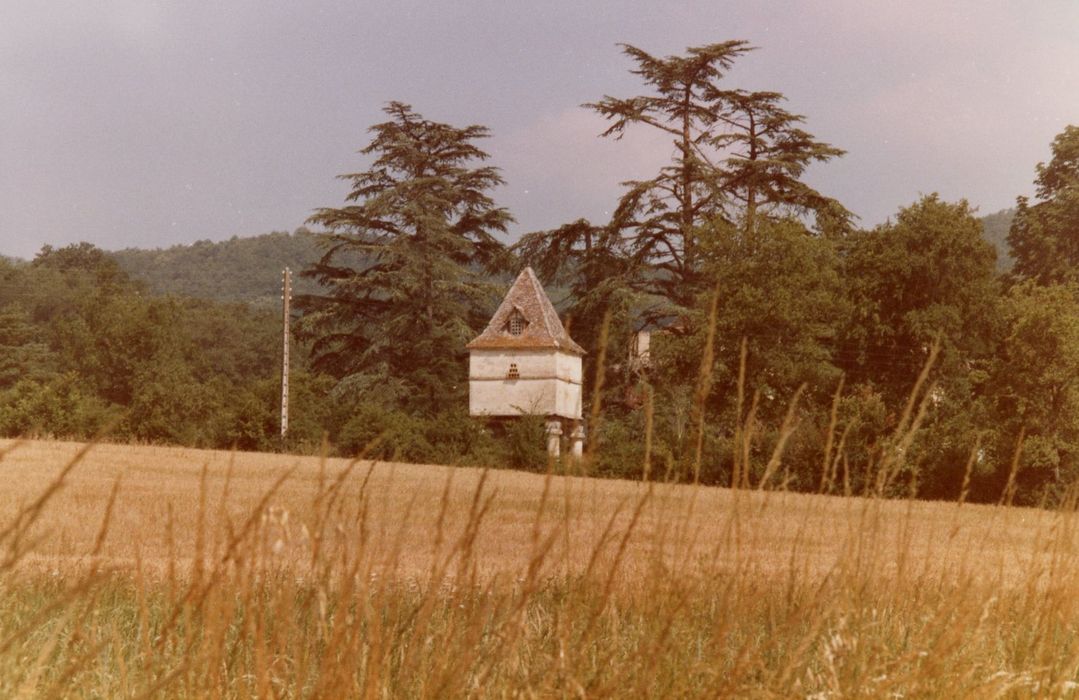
{"x": 545, "y": 301}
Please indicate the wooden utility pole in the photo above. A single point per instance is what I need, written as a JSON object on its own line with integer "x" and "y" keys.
{"x": 286, "y": 298}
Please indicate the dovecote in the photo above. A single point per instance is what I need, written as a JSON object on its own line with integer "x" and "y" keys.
{"x": 524, "y": 362}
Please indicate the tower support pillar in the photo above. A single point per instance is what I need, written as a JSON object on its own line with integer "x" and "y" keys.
{"x": 554, "y": 437}
{"x": 576, "y": 440}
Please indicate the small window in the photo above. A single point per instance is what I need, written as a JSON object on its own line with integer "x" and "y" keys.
{"x": 517, "y": 325}
{"x": 514, "y": 373}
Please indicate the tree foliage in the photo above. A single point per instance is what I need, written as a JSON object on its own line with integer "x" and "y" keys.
{"x": 85, "y": 349}
{"x": 928, "y": 274}
{"x": 1044, "y": 236}
{"x": 1033, "y": 391}
{"x": 395, "y": 329}
{"x": 738, "y": 156}
{"x": 235, "y": 270}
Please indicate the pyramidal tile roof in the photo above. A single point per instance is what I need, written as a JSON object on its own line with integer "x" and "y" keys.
{"x": 542, "y": 329}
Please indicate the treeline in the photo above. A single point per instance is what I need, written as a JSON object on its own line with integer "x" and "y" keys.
{"x": 88, "y": 352}
{"x": 85, "y": 351}
{"x": 789, "y": 346}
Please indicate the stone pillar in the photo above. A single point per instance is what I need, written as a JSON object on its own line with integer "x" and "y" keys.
{"x": 576, "y": 439}
{"x": 554, "y": 437}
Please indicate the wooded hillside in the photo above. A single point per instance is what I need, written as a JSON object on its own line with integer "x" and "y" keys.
{"x": 248, "y": 269}
{"x": 239, "y": 269}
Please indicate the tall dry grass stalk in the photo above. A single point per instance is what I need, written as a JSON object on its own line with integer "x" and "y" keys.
{"x": 893, "y": 456}
{"x": 354, "y": 579}
{"x": 704, "y": 384}
{"x": 740, "y": 451}
{"x": 827, "y": 472}
{"x": 597, "y": 387}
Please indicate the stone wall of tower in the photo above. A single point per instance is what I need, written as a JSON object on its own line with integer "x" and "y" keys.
{"x": 547, "y": 383}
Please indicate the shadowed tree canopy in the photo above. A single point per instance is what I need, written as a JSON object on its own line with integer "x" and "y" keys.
{"x": 422, "y": 215}
{"x": 81, "y": 257}
{"x": 1044, "y": 237}
{"x": 1034, "y": 388}
{"x": 926, "y": 275}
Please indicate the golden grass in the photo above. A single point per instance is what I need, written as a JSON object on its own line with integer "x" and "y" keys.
{"x": 709, "y": 528}
{"x": 177, "y": 572}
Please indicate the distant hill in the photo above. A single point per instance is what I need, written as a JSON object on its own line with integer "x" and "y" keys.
{"x": 249, "y": 269}
{"x": 995, "y": 229}
{"x": 239, "y": 269}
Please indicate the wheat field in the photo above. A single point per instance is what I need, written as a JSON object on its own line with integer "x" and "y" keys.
{"x": 130, "y": 571}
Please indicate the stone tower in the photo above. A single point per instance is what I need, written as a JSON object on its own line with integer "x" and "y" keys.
{"x": 524, "y": 363}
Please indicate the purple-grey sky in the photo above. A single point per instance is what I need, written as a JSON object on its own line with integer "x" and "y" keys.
{"x": 148, "y": 123}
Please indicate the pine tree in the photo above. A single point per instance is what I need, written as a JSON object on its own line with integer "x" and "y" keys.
{"x": 767, "y": 155}
{"x": 660, "y": 214}
{"x": 396, "y": 328}
{"x": 737, "y": 154}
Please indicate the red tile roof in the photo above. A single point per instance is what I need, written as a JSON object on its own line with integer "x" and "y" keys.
{"x": 543, "y": 329}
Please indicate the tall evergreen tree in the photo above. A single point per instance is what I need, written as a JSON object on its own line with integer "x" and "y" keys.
{"x": 736, "y": 153}
{"x": 422, "y": 215}
{"x": 660, "y": 214}
{"x": 1044, "y": 237}
{"x": 737, "y": 163}
{"x": 767, "y": 154}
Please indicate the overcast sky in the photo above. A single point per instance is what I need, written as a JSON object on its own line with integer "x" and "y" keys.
{"x": 148, "y": 123}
